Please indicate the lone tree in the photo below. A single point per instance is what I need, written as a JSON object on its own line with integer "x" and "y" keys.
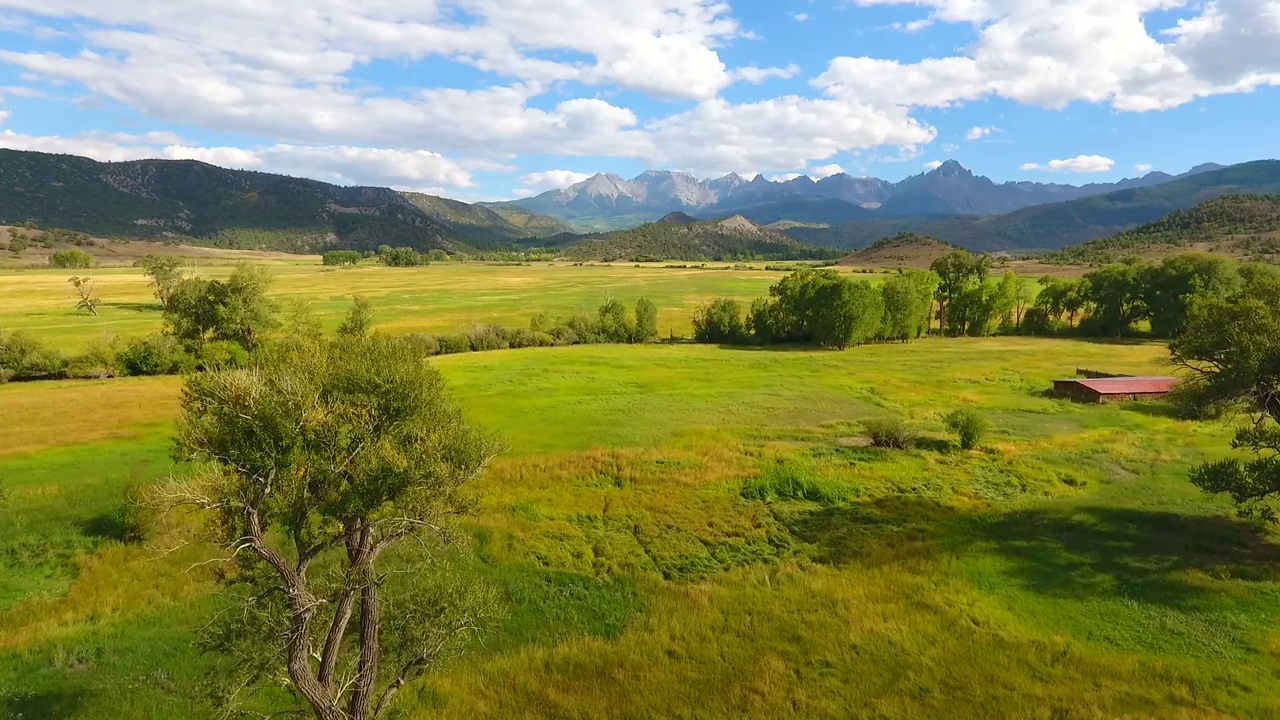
{"x": 315, "y": 461}
{"x": 84, "y": 289}
{"x": 1230, "y": 351}
{"x": 166, "y": 273}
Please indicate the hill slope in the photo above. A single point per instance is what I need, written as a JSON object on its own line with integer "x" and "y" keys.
{"x": 732, "y": 238}
{"x": 199, "y": 203}
{"x": 484, "y": 227}
{"x": 907, "y": 250}
{"x": 1236, "y": 225}
{"x": 184, "y": 199}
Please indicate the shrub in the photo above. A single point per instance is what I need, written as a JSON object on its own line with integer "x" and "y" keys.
{"x": 968, "y": 425}
{"x": 888, "y": 433}
{"x": 220, "y": 354}
{"x": 521, "y": 338}
{"x": 154, "y": 355}
{"x": 133, "y": 520}
{"x": 453, "y": 344}
{"x": 792, "y": 481}
{"x": 719, "y": 322}
{"x": 578, "y": 330}
{"x": 422, "y": 343}
{"x": 69, "y": 259}
{"x": 487, "y": 337}
{"x": 97, "y": 361}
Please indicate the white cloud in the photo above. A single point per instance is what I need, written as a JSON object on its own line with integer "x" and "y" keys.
{"x": 800, "y": 17}
{"x": 950, "y": 147}
{"x": 977, "y": 133}
{"x": 755, "y": 75}
{"x": 933, "y": 165}
{"x": 338, "y": 164}
{"x": 1081, "y": 164}
{"x": 825, "y": 171}
{"x": 4, "y": 115}
{"x": 539, "y": 182}
{"x": 1052, "y": 52}
{"x": 778, "y": 134}
{"x": 785, "y": 177}
{"x": 1142, "y": 168}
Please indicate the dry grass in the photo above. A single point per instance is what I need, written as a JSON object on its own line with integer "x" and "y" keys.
{"x": 45, "y": 415}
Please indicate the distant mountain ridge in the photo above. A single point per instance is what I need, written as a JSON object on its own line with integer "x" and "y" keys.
{"x": 947, "y": 190}
{"x": 197, "y": 202}
{"x": 1057, "y": 225}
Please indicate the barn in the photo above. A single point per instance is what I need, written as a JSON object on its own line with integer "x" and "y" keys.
{"x": 1113, "y": 389}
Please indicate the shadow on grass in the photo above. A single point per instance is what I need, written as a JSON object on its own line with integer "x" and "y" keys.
{"x": 49, "y": 705}
{"x": 135, "y": 307}
{"x": 1153, "y": 557}
{"x": 104, "y": 527}
{"x": 1148, "y": 556}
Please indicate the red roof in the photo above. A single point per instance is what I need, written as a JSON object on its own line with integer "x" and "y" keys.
{"x": 1129, "y": 385}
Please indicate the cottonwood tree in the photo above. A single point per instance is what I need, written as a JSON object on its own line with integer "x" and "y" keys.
{"x": 84, "y": 287}
{"x": 166, "y": 273}
{"x": 316, "y": 463}
{"x": 1230, "y": 352}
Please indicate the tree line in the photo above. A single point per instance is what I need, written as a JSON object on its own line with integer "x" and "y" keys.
{"x": 211, "y": 324}
{"x": 824, "y": 307}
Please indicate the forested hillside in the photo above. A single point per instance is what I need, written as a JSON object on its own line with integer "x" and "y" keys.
{"x": 680, "y": 237}
{"x": 1237, "y": 225}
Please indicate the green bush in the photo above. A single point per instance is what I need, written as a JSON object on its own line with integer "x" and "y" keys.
{"x": 453, "y": 344}
{"x": 24, "y": 357}
{"x": 487, "y": 337}
{"x": 401, "y": 257}
{"x": 422, "y": 343}
{"x": 889, "y": 433}
{"x": 154, "y": 355}
{"x": 97, "y": 361}
{"x": 70, "y": 259}
{"x": 792, "y": 481}
{"x": 521, "y": 338}
{"x": 719, "y": 322}
{"x": 133, "y": 520}
{"x": 968, "y": 425}
{"x": 219, "y": 354}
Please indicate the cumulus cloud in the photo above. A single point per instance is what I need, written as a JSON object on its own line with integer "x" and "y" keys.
{"x": 800, "y": 17}
{"x": 977, "y": 133}
{"x": 755, "y": 75}
{"x": 934, "y": 165}
{"x": 1142, "y": 168}
{"x": 1052, "y": 52}
{"x": 345, "y": 165}
{"x": 4, "y": 115}
{"x": 1080, "y": 164}
{"x": 717, "y": 136}
{"x": 825, "y": 171}
{"x": 786, "y": 177}
{"x": 538, "y": 182}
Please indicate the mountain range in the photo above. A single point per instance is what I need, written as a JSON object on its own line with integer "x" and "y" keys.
{"x": 948, "y": 190}
{"x": 197, "y": 203}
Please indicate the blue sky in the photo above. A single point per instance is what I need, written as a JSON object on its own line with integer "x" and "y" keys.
{"x": 493, "y": 99}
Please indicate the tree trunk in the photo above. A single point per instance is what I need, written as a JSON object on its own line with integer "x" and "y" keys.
{"x": 370, "y": 622}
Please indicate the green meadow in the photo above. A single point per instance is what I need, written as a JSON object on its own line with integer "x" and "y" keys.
{"x": 441, "y": 298}
{"x": 688, "y": 531}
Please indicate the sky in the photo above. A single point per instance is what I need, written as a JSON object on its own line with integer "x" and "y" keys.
{"x": 498, "y": 99}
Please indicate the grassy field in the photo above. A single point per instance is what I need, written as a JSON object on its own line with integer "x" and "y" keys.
{"x": 690, "y": 531}
{"x": 441, "y": 298}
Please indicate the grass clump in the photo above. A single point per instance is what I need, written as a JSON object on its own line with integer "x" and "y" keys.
{"x": 788, "y": 480}
{"x": 969, "y": 427}
{"x": 891, "y": 433}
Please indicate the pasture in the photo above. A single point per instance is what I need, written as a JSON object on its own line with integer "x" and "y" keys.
{"x": 441, "y": 298}
{"x": 690, "y": 531}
